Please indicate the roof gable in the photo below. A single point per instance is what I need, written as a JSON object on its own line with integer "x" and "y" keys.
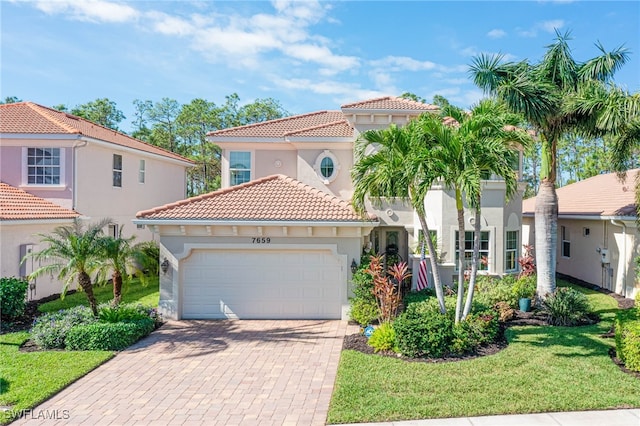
{"x": 273, "y": 198}
{"x": 31, "y": 118}
{"x": 16, "y": 204}
{"x": 601, "y": 195}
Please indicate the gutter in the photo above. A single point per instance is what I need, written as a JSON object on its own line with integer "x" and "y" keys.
{"x": 162, "y": 222}
{"x": 624, "y": 254}
{"x": 80, "y": 143}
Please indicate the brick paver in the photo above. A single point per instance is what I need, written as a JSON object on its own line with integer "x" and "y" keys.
{"x": 209, "y": 373}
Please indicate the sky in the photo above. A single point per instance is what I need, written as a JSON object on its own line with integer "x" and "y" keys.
{"x": 308, "y": 55}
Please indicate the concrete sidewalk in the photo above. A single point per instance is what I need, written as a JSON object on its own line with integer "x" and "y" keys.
{"x": 627, "y": 417}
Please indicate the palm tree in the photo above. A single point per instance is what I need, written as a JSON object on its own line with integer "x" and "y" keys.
{"x": 74, "y": 253}
{"x": 543, "y": 93}
{"x": 392, "y": 162}
{"x": 120, "y": 256}
{"x": 469, "y": 147}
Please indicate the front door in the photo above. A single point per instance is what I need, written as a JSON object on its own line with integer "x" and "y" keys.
{"x": 391, "y": 242}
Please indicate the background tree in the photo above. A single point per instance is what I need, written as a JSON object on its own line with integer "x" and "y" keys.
{"x": 101, "y": 111}
{"x": 73, "y": 252}
{"x": 119, "y": 257}
{"x": 10, "y": 100}
{"x": 544, "y": 92}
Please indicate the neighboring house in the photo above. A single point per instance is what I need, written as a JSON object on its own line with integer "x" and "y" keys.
{"x": 81, "y": 167}
{"x": 597, "y": 232}
{"x": 313, "y": 150}
{"x": 22, "y": 216}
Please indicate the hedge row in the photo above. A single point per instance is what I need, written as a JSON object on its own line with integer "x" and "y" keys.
{"x": 108, "y": 336}
{"x": 628, "y": 338}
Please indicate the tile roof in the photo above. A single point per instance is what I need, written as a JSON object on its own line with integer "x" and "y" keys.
{"x": 391, "y": 103}
{"x": 282, "y": 127}
{"x": 30, "y": 118}
{"x": 16, "y": 204}
{"x": 336, "y": 129}
{"x": 601, "y": 195}
{"x": 272, "y": 198}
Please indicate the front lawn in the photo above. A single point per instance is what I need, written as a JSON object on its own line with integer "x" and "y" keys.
{"x": 543, "y": 369}
{"x": 28, "y": 378}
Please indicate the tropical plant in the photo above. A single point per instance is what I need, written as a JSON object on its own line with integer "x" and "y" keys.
{"x": 566, "y": 307}
{"x": 383, "y": 338}
{"x": 73, "y": 252}
{"x": 557, "y": 96}
{"x": 392, "y": 162}
{"x": 386, "y": 287}
{"x": 469, "y": 147}
{"x": 13, "y": 297}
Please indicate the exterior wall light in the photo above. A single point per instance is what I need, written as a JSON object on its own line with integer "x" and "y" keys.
{"x": 164, "y": 265}
{"x": 354, "y": 266}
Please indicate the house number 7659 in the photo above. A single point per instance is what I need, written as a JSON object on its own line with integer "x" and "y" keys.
{"x": 261, "y": 240}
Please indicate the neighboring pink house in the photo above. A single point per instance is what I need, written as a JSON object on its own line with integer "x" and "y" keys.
{"x": 598, "y": 237}
{"x": 276, "y": 248}
{"x": 80, "y": 167}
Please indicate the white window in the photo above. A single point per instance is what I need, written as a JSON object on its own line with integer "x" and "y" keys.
{"x": 566, "y": 242}
{"x": 511, "y": 251}
{"x": 44, "y": 166}
{"x": 141, "y": 171}
{"x": 468, "y": 250}
{"x": 239, "y": 167}
{"x": 117, "y": 170}
{"x": 327, "y": 166}
{"x": 113, "y": 230}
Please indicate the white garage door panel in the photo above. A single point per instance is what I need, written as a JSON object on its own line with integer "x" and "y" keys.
{"x": 262, "y": 284}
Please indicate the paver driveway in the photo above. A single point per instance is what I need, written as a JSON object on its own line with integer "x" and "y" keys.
{"x": 212, "y": 373}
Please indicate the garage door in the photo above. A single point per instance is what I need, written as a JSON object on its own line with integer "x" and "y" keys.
{"x": 262, "y": 284}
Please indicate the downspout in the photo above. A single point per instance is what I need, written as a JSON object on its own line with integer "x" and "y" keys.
{"x": 78, "y": 144}
{"x": 624, "y": 254}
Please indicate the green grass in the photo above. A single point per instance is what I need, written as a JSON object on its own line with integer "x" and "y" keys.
{"x": 28, "y": 378}
{"x": 543, "y": 369}
{"x": 133, "y": 292}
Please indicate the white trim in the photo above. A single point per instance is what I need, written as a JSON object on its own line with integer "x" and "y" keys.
{"x": 318, "y": 164}
{"x": 188, "y": 248}
{"x": 252, "y": 158}
{"x": 5, "y": 222}
{"x": 115, "y": 146}
{"x": 277, "y": 223}
{"x": 588, "y": 217}
{"x": 62, "y": 167}
{"x": 38, "y": 136}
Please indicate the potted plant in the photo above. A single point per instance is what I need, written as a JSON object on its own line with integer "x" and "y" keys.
{"x": 525, "y": 289}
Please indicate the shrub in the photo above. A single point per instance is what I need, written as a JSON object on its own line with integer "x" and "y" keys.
{"x": 386, "y": 286}
{"x": 418, "y": 296}
{"x": 13, "y": 297}
{"x": 123, "y": 312}
{"x": 383, "y": 338}
{"x": 627, "y": 337}
{"x": 505, "y": 312}
{"x": 525, "y": 287}
{"x": 476, "y": 330}
{"x": 50, "y": 330}
{"x": 421, "y": 330}
{"x": 147, "y": 257}
{"x": 363, "y": 311}
{"x": 106, "y": 336}
{"x": 491, "y": 290}
{"x": 566, "y": 307}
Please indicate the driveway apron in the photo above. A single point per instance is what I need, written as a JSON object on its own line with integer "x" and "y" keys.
{"x": 210, "y": 373}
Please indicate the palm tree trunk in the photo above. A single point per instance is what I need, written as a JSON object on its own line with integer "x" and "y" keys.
{"x": 116, "y": 278}
{"x": 476, "y": 260}
{"x": 461, "y": 239}
{"x": 546, "y": 233}
{"x": 437, "y": 283}
{"x": 85, "y": 282}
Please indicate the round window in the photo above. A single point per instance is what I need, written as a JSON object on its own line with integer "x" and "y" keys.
{"x": 326, "y": 167}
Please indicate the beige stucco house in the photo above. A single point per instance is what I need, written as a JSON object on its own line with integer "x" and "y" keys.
{"x": 312, "y": 151}
{"x": 597, "y": 232}
{"x": 82, "y": 168}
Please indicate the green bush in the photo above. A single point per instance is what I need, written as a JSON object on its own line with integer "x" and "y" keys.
{"x": 627, "y": 337}
{"x": 363, "y": 311}
{"x": 106, "y": 336}
{"x": 125, "y": 312}
{"x": 492, "y": 290}
{"x": 525, "y": 287}
{"x": 50, "y": 330}
{"x": 418, "y": 296}
{"x": 383, "y": 338}
{"x": 13, "y": 297}
{"x": 476, "y": 330}
{"x": 566, "y": 307}
{"x": 421, "y": 330}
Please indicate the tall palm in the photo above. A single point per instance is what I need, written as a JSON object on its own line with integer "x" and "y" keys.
{"x": 469, "y": 147}
{"x": 393, "y": 163}
{"x": 542, "y": 92}
{"x": 73, "y": 252}
{"x": 119, "y": 257}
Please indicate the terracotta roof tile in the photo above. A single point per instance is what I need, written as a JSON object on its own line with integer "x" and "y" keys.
{"x": 273, "y": 198}
{"x": 30, "y": 118}
{"x": 391, "y": 103}
{"x": 602, "y": 195}
{"x": 281, "y": 127}
{"x": 16, "y": 204}
{"x": 336, "y": 129}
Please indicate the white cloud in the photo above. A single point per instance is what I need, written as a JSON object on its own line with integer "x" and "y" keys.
{"x": 546, "y": 26}
{"x": 90, "y": 10}
{"x": 403, "y": 63}
{"x": 320, "y": 55}
{"x": 170, "y": 25}
{"x": 496, "y": 33}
